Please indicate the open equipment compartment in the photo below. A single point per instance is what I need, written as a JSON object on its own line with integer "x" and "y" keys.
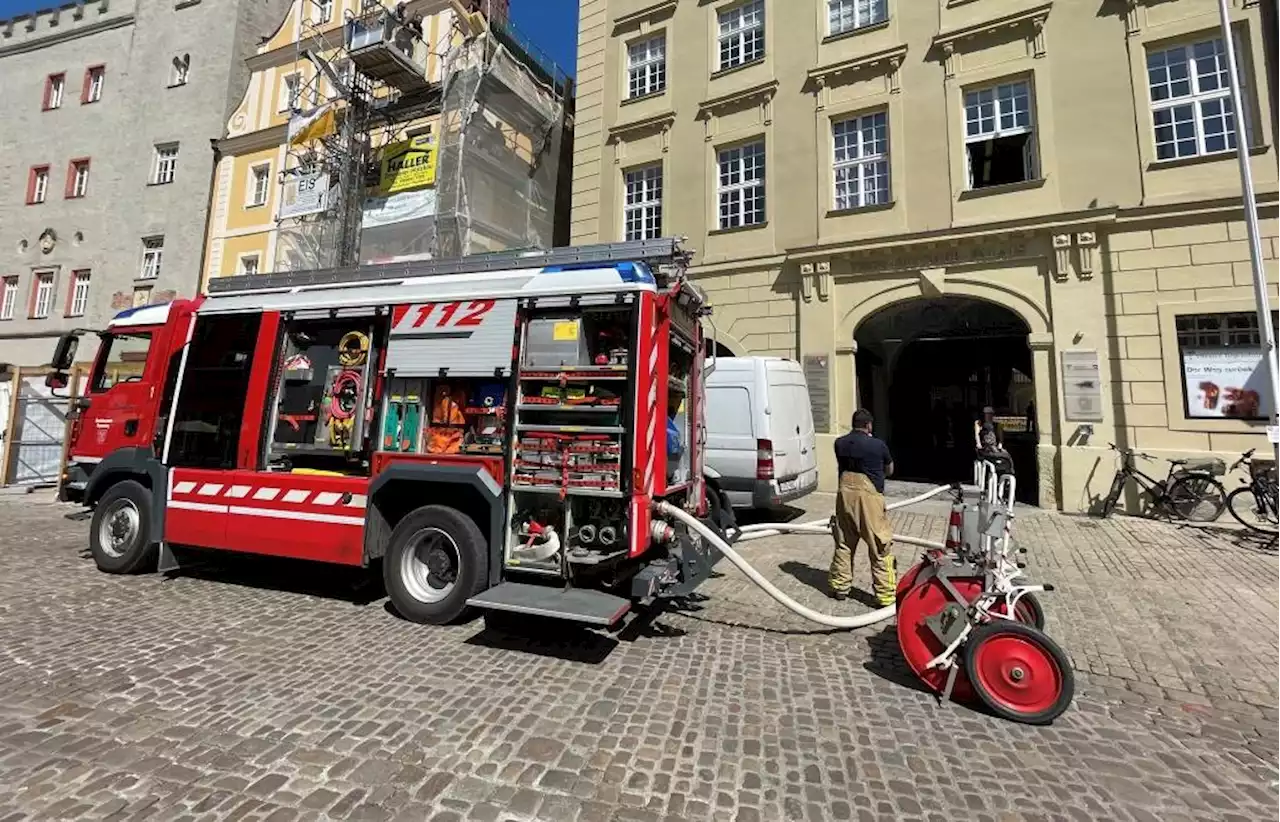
{"x": 322, "y": 391}
{"x": 570, "y": 465}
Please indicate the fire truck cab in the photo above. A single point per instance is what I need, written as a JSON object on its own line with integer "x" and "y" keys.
{"x": 494, "y": 429}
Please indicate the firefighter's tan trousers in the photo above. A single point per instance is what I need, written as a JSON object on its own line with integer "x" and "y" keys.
{"x": 861, "y": 516}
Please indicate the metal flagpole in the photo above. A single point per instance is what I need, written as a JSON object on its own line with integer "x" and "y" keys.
{"x": 1267, "y": 334}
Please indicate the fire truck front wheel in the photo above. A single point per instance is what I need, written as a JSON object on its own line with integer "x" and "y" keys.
{"x": 120, "y": 535}
{"x": 436, "y": 561}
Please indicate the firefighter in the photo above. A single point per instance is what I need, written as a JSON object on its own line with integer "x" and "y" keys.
{"x": 863, "y": 462}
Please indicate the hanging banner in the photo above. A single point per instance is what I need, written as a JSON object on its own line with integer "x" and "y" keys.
{"x": 407, "y": 165}
{"x": 1225, "y": 382}
{"x": 316, "y": 124}
{"x": 398, "y": 208}
{"x": 305, "y": 194}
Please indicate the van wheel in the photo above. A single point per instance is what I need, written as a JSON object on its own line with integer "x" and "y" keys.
{"x": 436, "y": 560}
{"x": 719, "y": 511}
{"x": 120, "y": 531}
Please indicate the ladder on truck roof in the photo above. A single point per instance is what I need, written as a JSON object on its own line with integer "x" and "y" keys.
{"x": 654, "y": 253}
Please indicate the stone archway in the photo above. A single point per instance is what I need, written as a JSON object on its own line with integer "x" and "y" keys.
{"x": 926, "y": 366}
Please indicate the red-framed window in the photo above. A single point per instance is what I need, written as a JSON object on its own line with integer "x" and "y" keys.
{"x": 78, "y": 293}
{"x": 8, "y": 296}
{"x": 55, "y": 88}
{"x": 37, "y": 185}
{"x": 41, "y": 302}
{"x": 94, "y": 79}
{"x": 77, "y": 178}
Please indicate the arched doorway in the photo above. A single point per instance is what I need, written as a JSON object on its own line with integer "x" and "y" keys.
{"x": 927, "y": 367}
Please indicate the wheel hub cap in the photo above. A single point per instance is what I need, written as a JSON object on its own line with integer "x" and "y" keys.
{"x": 429, "y": 568}
{"x": 1018, "y": 673}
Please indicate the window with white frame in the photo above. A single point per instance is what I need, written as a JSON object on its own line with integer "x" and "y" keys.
{"x": 999, "y": 135}
{"x": 166, "y": 164}
{"x": 180, "y": 70}
{"x": 740, "y": 34}
{"x": 289, "y": 91}
{"x": 55, "y": 85}
{"x": 79, "y": 294}
{"x": 647, "y": 66}
{"x": 740, "y": 185}
{"x": 93, "y": 82}
{"x": 249, "y": 264}
{"x": 847, "y": 15}
{"x": 152, "y": 252}
{"x": 39, "y": 185}
{"x": 43, "y": 297}
{"x": 259, "y": 185}
{"x": 79, "y": 178}
{"x": 323, "y": 10}
{"x": 8, "y": 297}
{"x": 642, "y": 210}
{"x": 861, "y": 160}
{"x": 1191, "y": 105}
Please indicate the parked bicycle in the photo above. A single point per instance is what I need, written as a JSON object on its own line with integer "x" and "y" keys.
{"x": 1254, "y": 503}
{"x": 1188, "y": 492}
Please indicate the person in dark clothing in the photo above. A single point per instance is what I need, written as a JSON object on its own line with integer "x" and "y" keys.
{"x": 863, "y": 462}
{"x": 988, "y": 439}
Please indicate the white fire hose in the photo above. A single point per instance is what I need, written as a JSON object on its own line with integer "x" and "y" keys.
{"x": 821, "y": 526}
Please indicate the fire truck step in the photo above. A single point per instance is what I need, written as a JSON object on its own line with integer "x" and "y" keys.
{"x": 573, "y": 604}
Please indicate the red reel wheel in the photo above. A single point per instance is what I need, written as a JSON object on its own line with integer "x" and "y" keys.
{"x": 908, "y": 580}
{"x": 917, "y": 641}
{"x": 1018, "y": 672}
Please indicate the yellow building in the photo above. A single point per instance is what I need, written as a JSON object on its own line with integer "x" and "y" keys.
{"x": 244, "y": 220}
{"x": 938, "y": 205}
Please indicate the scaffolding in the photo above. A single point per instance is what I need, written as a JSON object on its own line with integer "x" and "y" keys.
{"x": 494, "y": 160}
{"x": 501, "y": 126}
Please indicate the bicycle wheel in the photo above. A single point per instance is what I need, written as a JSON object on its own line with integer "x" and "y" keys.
{"x": 1243, "y": 505}
{"x": 1113, "y": 496}
{"x": 1196, "y": 497}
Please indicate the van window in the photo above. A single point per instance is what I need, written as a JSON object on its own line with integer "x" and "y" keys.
{"x": 729, "y": 410}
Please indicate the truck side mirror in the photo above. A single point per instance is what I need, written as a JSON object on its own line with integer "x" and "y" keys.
{"x": 64, "y": 355}
{"x": 56, "y": 380}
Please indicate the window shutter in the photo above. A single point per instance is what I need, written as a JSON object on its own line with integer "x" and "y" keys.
{"x": 84, "y": 87}
{"x": 70, "y": 187}
{"x": 31, "y": 185}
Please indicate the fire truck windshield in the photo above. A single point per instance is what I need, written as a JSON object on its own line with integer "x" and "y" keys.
{"x": 121, "y": 358}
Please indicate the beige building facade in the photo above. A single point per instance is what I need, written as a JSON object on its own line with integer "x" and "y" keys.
{"x": 938, "y": 205}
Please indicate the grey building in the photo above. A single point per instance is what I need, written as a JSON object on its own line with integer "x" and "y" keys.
{"x": 109, "y": 109}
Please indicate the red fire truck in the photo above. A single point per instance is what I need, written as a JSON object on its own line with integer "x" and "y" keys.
{"x": 494, "y": 429}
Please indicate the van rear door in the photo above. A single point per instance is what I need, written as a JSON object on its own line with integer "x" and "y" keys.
{"x": 731, "y": 437}
{"x": 790, "y": 423}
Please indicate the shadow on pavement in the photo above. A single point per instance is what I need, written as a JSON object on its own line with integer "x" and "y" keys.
{"x": 816, "y": 578}
{"x": 887, "y": 662}
{"x": 562, "y": 640}
{"x": 295, "y": 576}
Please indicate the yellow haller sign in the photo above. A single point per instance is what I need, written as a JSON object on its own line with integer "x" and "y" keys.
{"x": 407, "y": 165}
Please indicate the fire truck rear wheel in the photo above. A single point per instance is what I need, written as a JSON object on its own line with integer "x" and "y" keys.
{"x": 120, "y": 534}
{"x": 435, "y": 562}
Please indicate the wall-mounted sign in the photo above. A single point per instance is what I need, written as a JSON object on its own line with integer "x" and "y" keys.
{"x": 305, "y": 194}
{"x": 1225, "y": 382}
{"x": 818, "y": 377}
{"x": 407, "y": 165}
{"x": 1081, "y": 386}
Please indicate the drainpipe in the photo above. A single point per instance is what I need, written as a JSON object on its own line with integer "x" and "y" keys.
{"x": 208, "y": 215}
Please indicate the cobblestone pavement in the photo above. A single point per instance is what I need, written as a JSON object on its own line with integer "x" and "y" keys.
{"x": 280, "y": 691}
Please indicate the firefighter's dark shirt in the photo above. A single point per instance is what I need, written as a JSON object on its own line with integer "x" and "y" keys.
{"x": 863, "y": 454}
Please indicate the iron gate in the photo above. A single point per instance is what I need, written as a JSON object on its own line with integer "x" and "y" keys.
{"x": 35, "y": 455}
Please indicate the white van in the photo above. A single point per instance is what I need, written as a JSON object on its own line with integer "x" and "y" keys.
{"x": 761, "y": 446}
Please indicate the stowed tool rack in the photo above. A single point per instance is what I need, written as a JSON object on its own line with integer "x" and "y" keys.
{"x": 570, "y": 456}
